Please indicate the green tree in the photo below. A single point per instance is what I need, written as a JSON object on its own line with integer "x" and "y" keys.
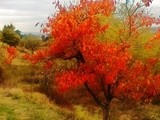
{"x": 31, "y": 42}
{"x": 10, "y": 36}
{"x": 19, "y": 33}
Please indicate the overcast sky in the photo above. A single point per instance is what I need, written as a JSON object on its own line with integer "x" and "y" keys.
{"x": 24, "y": 14}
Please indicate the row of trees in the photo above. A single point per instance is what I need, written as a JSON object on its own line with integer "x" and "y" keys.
{"x": 13, "y": 37}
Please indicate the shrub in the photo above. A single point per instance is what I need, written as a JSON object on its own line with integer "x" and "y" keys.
{"x": 30, "y": 42}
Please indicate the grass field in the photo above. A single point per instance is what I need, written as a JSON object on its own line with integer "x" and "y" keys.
{"x": 15, "y": 104}
{"x": 20, "y": 101}
{"x": 18, "y": 105}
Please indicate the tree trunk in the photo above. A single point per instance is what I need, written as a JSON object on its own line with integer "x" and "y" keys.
{"x": 105, "y": 113}
{"x": 103, "y": 106}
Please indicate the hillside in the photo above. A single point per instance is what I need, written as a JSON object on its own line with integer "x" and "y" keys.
{"x": 22, "y": 100}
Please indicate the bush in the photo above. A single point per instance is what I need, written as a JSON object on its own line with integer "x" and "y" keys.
{"x": 30, "y": 42}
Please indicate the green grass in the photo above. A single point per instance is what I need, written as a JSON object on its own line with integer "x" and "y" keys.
{"x": 15, "y": 104}
{"x": 82, "y": 113}
{"x": 6, "y": 112}
{"x": 18, "y": 105}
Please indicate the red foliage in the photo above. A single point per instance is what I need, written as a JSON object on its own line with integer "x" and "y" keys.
{"x": 101, "y": 67}
{"x": 139, "y": 82}
{"x": 138, "y": 18}
{"x": 155, "y": 40}
{"x": 11, "y": 54}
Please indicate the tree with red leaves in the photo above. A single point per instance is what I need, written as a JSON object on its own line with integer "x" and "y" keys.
{"x": 106, "y": 68}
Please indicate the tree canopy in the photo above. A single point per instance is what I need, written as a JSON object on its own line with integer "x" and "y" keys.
{"x": 10, "y": 36}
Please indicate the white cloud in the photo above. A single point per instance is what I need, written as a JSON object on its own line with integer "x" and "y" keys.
{"x": 24, "y": 14}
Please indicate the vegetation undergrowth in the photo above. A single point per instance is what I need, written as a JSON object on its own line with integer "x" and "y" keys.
{"x": 22, "y": 97}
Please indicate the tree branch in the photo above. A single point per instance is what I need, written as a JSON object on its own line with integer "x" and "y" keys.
{"x": 109, "y": 93}
{"x": 104, "y": 88}
{"x": 94, "y": 96}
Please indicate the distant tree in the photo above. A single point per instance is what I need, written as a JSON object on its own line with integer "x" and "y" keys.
{"x": 31, "y": 42}
{"x": 10, "y": 36}
{"x": 19, "y": 33}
